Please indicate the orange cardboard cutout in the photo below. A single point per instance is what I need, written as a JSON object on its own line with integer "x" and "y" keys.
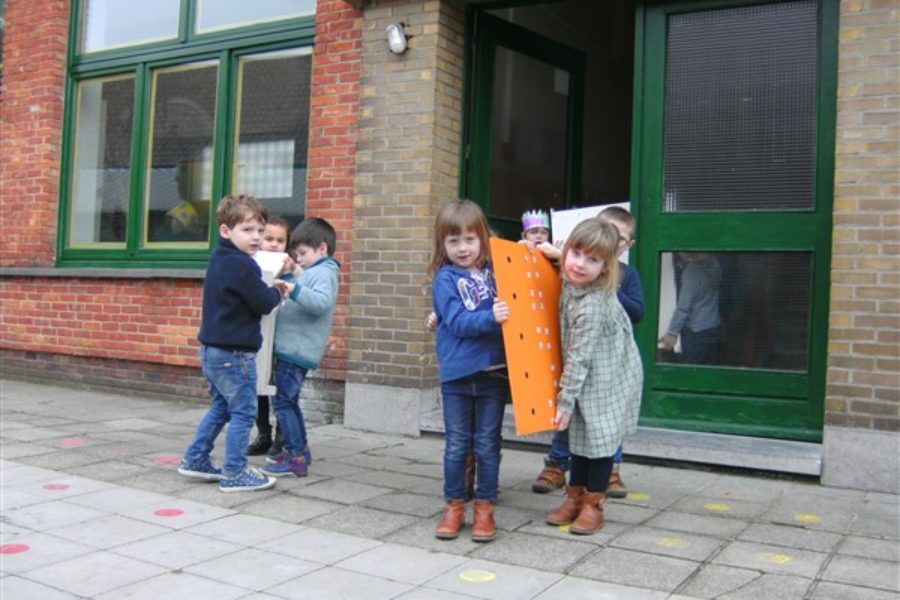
{"x": 529, "y": 284}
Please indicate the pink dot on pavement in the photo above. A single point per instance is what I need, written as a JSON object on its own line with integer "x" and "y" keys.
{"x": 56, "y": 486}
{"x": 167, "y": 460}
{"x": 168, "y": 512}
{"x": 73, "y": 442}
{"x": 14, "y": 548}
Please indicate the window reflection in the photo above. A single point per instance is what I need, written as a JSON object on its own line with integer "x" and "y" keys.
{"x": 738, "y": 309}
{"x": 219, "y": 14}
{"x": 114, "y": 23}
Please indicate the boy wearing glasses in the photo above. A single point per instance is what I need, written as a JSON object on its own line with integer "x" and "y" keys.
{"x": 631, "y": 297}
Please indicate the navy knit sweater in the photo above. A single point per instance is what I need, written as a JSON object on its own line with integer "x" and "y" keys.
{"x": 234, "y": 299}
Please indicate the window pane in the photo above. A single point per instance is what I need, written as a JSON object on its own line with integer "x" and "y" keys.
{"x": 112, "y": 23}
{"x": 273, "y": 131}
{"x": 737, "y": 309}
{"x": 219, "y": 14}
{"x": 179, "y": 173}
{"x": 101, "y": 161}
{"x": 740, "y": 108}
{"x": 528, "y": 137}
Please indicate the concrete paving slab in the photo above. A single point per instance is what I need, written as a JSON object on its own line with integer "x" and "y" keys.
{"x": 48, "y": 515}
{"x": 13, "y": 587}
{"x": 812, "y": 513}
{"x": 878, "y": 519}
{"x": 176, "y": 586}
{"x": 119, "y": 499}
{"x": 421, "y": 535}
{"x": 342, "y": 491}
{"x": 768, "y": 558}
{"x": 20, "y": 473}
{"x": 177, "y": 513}
{"x": 63, "y": 459}
{"x": 247, "y": 530}
{"x": 177, "y": 549}
{"x": 332, "y": 583}
{"x": 429, "y": 594}
{"x": 494, "y": 581}
{"x": 771, "y": 587}
{"x": 721, "y": 506}
{"x": 35, "y": 550}
{"x": 868, "y": 572}
{"x": 826, "y": 590}
{"x": 402, "y": 563}
{"x": 713, "y": 526}
{"x": 637, "y": 569}
{"x": 389, "y": 479}
{"x": 747, "y": 489}
{"x": 318, "y": 545}
{"x": 287, "y": 508}
{"x": 790, "y": 537}
{"x": 108, "y": 531}
{"x": 253, "y": 569}
{"x": 16, "y": 450}
{"x": 667, "y": 543}
{"x": 888, "y": 550}
{"x": 13, "y": 499}
{"x": 601, "y": 538}
{"x": 714, "y": 581}
{"x": 95, "y": 573}
{"x": 416, "y": 505}
{"x": 366, "y": 522}
{"x": 536, "y": 552}
{"x": 108, "y": 470}
{"x": 575, "y": 588}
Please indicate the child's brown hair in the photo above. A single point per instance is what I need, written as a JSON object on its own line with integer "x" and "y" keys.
{"x": 596, "y": 236}
{"x": 454, "y": 218}
{"x": 235, "y": 209}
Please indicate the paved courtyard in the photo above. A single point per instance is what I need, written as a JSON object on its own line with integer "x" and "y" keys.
{"x": 91, "y": 506}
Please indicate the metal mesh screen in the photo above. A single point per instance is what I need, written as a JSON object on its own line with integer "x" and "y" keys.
{"x": 740, "y": 109}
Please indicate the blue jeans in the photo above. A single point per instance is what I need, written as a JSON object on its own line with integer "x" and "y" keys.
{"x": 559, "y": 450}
{"x": 481, "y": 396}
{"x": 286, "y": 404}
{"x": 232, "y": 390}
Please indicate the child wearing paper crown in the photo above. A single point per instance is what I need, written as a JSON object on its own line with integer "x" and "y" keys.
{"x": 536, "y": 234}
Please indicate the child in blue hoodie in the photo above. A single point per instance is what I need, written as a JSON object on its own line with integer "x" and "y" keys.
{"x": 301, "y": 332}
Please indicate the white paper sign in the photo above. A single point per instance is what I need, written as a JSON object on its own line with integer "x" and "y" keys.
{"x": 270, "y": 263}
{"x": 562, "y": 222}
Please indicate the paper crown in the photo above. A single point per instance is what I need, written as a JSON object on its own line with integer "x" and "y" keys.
{"x": 535, "y": 218}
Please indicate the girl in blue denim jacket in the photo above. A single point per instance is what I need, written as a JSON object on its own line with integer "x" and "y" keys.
{"x": 472, "y": 363}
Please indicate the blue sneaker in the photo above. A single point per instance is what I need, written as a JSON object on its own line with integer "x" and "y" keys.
{"x": 287, "y": 466}
{"x": 201, "y": 469}
{"x": 250, "y": 480}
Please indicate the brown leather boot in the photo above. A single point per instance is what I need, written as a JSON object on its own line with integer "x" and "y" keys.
{"x": 569, "y": 509}
{"x": 484, "y": 529}
{"x": 552, "y": 477}
{"x": 590, "y": 519}
{"x": 453, "y": 520}
{"x": 470, "y": 476}
{"x": 616, "y": 487}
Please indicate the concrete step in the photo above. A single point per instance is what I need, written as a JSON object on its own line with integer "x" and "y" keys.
{"x": 765, "y": 454}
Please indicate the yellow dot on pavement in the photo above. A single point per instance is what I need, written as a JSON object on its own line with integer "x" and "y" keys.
{"x": 778, "y": 559}
{"x": 717, "y": 506}
{"x": 565, "y": 528}
{"x": 673, "y": 543}
{"x": 638, "y": 496}
{"x": 807, "y": 518}
{"x": 477, "y": 576}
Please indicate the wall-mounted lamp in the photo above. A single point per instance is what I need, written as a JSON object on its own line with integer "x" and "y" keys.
{"x": 397, "y": 37}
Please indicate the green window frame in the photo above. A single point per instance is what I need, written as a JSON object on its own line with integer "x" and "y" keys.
{"x": 131, "y": 243}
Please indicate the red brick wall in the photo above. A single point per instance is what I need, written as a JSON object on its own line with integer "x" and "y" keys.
{"x": 332, "y": 147}
{"x": 31, "y": 111}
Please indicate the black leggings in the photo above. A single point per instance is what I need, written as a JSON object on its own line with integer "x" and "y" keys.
{"x": 593, "y": 473}
{"x": 262, "y": 415}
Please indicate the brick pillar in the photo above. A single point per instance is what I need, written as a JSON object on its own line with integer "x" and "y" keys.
{"x": 862, "y": 403}
{"x": 407, "y": 166}
{"x": 31, "y": 119}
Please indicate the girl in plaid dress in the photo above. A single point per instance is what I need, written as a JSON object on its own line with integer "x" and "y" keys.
{"x": 600, "y": 389}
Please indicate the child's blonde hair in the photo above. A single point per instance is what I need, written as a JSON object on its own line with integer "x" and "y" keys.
{"x": 596, "y": 236}
{"x": 454, "y": 218}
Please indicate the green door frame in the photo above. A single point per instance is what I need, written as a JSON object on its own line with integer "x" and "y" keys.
{"x": 766, "y": 403}
{"x": 492, "y": 32}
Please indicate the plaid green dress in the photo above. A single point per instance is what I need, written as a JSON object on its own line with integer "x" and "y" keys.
{"x": 602, "y": 374}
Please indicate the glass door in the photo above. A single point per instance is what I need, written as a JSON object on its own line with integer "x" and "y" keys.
{"x": 526, "y": 109}
{"x": 733, "y": 178}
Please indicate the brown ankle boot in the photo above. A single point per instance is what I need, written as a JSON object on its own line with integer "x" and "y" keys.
{"x": 484, "y": 529}
{"x": 590, "y": 519}
{"x": 470, "y": 476}
{"x": 453, "y": 520}
{"x": 569, "y": 509}
{"x": 616, "y": 487}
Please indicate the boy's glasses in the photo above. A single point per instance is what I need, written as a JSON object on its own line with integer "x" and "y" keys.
{"x": 625, "y": 241}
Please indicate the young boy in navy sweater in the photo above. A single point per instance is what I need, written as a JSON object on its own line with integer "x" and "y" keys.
{"x": 234, "y": 299}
